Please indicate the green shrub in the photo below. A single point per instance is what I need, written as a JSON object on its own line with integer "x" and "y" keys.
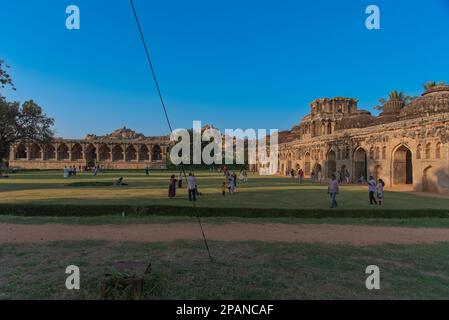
{"x": 107, "y": 210}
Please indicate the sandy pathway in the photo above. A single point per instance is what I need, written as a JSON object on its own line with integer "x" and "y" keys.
{"x": 327, "y": 234}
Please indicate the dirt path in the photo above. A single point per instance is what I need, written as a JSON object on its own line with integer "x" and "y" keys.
{"x": 326, "y": 234}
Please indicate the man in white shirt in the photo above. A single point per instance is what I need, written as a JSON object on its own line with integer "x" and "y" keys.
{"x": 191, "y": 181}
{"x": 372, "y": 190}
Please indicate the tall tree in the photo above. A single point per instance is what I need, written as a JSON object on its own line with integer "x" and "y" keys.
{"x": 26, "y": 122}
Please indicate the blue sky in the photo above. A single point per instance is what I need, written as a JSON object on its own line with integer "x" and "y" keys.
{"x": 245, "y": 63}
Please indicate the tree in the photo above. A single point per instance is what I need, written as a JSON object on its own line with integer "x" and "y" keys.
{"x": 395, "y": 96}
{"x": 26, "y": 122}
{"x": 5, "y": 78}
{"x": 431, "y": 84}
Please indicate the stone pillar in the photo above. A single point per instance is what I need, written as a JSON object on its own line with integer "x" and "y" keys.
{"x": 84, "y": 155}
{"x": 28, "y": 150}
{"x": 97, "y": 151}
{"x": 137, "y": 152}
{"x": 12, "y": 153}
{"x": 70, "y": 151}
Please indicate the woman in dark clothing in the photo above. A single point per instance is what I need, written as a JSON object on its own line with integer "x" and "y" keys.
{"x": 172, "y": 187}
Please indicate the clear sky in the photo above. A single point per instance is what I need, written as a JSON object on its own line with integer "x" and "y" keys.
{"x": 233, "y": 63}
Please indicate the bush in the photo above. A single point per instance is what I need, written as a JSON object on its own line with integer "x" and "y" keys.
{"x": 107, "y": 210}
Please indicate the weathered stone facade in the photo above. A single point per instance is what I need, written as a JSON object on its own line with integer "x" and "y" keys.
{"x": 123, "y": 149}
{"x": 406, "y": 145}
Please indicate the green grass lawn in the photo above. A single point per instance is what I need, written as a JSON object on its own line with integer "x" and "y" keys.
{"x": 248, "y": 270}
{"x": 260, "y": 192}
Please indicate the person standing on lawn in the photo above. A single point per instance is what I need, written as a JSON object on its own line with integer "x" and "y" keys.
{"x": 333, "y": 189}
{"x": 380, "y": 191}
{"x": 191, "y": 182}
{"x": 372, "y": 190}
{"x": 172, "y": 187}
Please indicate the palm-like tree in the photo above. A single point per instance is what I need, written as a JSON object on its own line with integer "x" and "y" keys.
{"x": 431, "y": 84}
{"x": 395, "y": 96}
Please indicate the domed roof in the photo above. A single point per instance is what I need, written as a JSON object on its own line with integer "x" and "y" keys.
{"x": 358, "y": 119}
{"x": 434, "y": 100}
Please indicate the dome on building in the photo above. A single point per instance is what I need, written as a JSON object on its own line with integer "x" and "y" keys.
{"x": 358, "y": 119}
{"x": 433, "y": 101}
{"x": 390, "y": 113}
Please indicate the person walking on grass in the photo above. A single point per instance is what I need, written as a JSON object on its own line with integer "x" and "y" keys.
{"x": 223, "y": 191}
{"x": 333, "y": 189}
{"x": 380, "y": 191}
{"x": 372, "y": 190}
{"x": 191, "y": 182}
{"x": 172, "y": 187}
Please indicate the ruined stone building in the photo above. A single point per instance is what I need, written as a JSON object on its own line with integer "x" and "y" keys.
{"x": 122, "y": 149}
{"x": 406, "y": 145}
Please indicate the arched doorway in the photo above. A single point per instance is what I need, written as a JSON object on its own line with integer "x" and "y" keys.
{"x": 63, "y": 152}
{"x": 427, "y": 184}
{"x": 131, "y": 154}
{"x": 35, "y": 152}
{"x": 331, "y": 163}
{"x": 403, "y": 166}
{"x": 144, "y": 154}
{"x": 360, "y": 164}
{"x": 21, "y": 152}
{"x": 77, "y": 152}
{"x": 105, "y": 153}
{"x": 91, "y": 155}
{"x": 156, "y": 154}
{"x": 307, "y": 165}
{"x": 117, "y": 153}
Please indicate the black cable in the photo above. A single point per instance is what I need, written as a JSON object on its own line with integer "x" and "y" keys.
{"x": 151, "y": 65}
{"x": 142, "y": 37}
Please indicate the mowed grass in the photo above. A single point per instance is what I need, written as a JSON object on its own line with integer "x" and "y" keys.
{"x": 260, "y": 192}
{"x": 241, "y": 270}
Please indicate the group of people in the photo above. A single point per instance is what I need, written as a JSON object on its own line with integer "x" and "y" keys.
{"x": 375, "y": 191}
{"x": 230, "y": 184}
{"x": 70, "y": 172}
{"x": 191, "y": 184}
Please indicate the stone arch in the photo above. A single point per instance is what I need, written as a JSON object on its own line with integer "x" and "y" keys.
{"x": 77, "y": 152}
{"x": 418, "y": 151}
{"x": 156, "y": 153}
{"x": 105, "y": 153}
{"x": 331, "y": 163}
{"x": 144, "y": 153}
{"x": 360, "y": 163}
{"x": 402, "y": 165}
{"x": 427, "y": 184}
{"x": 329, "y": 128}
{"x": 428, "y": 151}
{"x": 63, "y": 152}
{"x": 307, "y": 164}
{"x": 131, "y": 153}
{"x": 35, "y": 152}
{"x": 117, "y": 153}
{"x": 91, "y": 155}
{"x": 438, "y": 150}
{"x": 21, "y": 151}
{"x": 49, "y": 152}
